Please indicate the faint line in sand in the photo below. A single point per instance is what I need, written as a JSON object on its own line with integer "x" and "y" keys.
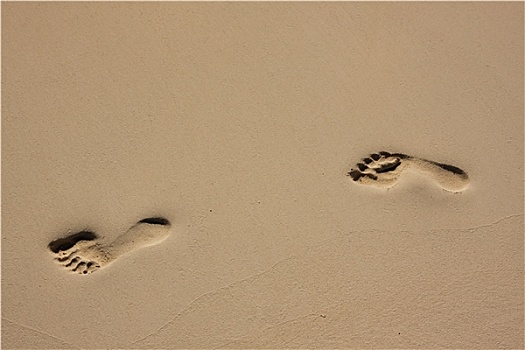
{"x": 185, "y": 309}
{"x": 41, "y": 332}
{"x": 323, "y": 242}
{"x": 316, "y": 315}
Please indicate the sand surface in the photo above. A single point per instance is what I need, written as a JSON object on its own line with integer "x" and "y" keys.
{"x": 238, "y": 122}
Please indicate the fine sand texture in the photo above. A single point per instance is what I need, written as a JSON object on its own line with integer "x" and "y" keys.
{"x": 262, "y": 175}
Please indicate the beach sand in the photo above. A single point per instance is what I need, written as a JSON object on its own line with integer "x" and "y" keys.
{"x": 238, "y": 123}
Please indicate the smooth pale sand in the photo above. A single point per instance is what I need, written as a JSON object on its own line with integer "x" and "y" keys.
{"x": 238, "y": 122}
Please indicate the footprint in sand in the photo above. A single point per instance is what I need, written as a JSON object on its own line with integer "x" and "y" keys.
{"x": 383, "y": 170}
{"x": 83, "y": 254}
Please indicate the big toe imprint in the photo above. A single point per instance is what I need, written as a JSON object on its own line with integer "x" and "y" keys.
{"x": 64, "y": 244}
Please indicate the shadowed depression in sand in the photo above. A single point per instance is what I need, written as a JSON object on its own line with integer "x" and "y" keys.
{"x": 83, "y": 254}
{"x": 383, "y": 170}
